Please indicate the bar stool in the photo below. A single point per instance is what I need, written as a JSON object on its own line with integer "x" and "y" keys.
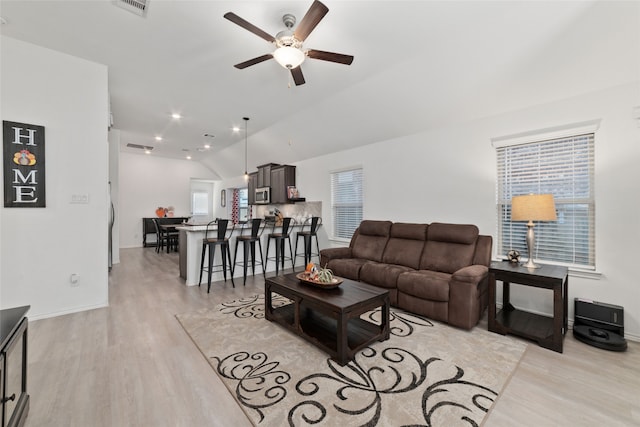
{"x": 222, "y": 239}
{"x": 312, "y": 223}
{"x": 279, "y": 242}
{"x": 248, "y": 242}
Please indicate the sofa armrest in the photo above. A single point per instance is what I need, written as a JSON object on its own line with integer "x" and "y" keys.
{"x": 328, "y": 254}
{"x": 471, "y": 274}
{"x": 464, "y": 295}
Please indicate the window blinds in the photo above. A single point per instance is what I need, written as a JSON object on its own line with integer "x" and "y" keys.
{"x": 563, "y": 167}
{"x": 346, "y": 202}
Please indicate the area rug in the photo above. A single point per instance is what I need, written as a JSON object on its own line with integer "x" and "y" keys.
{"x": 426, "y": 374}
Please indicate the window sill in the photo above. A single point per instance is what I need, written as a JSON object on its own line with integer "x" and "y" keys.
{"x": 585, "y": 274}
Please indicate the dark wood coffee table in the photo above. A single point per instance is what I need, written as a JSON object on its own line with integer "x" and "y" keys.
{"x": 329, "y": 318}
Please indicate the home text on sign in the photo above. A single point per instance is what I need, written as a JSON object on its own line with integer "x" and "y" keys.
{"x": 24, "y": 165}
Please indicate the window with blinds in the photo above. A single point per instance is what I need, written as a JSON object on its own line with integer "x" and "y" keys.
{"x": 563, "y": 167}
{"x": 346, "y": 202}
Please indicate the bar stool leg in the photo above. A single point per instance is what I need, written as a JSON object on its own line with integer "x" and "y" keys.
{"x": 290, "y": 253}
{"x": 246, "y": 261}
{"x": 307, "y": 249}
{"x": 224, "y": 262}
{"x": 231, "y": 269}
{"x": 204, "y": 251}
{"x": 252, "y": 245}
{"x": 212, "y": 252}
{"x": 263, "y": 266}
{"x": 277, "y": 255}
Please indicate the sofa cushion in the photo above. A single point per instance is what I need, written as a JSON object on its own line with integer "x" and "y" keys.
{"x": 405, "y": 244}
{"x": 425, "y": 284}
{"x": 348, "y": 268}
{"x": 382, "y": 275}
{"x": 371, "y": 240}
{"x": 449, "y": 247}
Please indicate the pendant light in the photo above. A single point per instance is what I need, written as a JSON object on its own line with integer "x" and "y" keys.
{"x": 246, "y": 174}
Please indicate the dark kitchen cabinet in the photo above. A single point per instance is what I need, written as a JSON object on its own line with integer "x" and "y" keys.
{"x": 264, "y": 174}
{"x": 281, "y": 178}
{"x": 251, "y": 188}
{"x": 14, "y": 405}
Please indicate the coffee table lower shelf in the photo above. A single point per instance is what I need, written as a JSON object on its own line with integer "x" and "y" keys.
{"x": 329, "y": 318}
{"x": 321, "y": 330}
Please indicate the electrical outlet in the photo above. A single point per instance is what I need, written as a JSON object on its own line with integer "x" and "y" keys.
{"x": 75, "y": 280}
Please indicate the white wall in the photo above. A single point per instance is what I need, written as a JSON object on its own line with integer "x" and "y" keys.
{"x": 147, "y": 182}
{"x": 448, "y": 175}
{"x": 42, "y": 247}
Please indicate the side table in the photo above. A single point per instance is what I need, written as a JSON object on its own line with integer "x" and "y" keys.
{"x": 548, "y": 332}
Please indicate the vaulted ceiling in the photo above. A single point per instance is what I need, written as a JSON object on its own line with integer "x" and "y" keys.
{"x": 418, "y": 65}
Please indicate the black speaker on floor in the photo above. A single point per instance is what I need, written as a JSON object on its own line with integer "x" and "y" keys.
{"x": 600, "y": 325}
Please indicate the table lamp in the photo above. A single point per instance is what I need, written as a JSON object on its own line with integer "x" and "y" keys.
{"x": 532, "y": 207}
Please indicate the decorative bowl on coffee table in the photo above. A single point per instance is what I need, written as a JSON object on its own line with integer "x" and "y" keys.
{"x": 305, "y": 278}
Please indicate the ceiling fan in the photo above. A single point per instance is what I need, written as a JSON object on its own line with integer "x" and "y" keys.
{"x": 288, "y": 43}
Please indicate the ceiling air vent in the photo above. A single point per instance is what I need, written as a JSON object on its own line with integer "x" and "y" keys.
{"x": 139, "y": 7}
{"x": 139, "y": 147}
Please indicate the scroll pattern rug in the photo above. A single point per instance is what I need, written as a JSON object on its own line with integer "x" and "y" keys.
{"x": 426, "y": 374}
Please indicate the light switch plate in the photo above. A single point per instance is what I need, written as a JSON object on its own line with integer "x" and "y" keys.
{"x": 80, "y": 198}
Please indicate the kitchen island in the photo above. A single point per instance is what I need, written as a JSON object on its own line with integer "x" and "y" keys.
{"x": 190, "y": 244}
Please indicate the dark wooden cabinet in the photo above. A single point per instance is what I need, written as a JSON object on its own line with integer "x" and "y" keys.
{"x": 13, "y": 366}
{"x": 149, "y": 228}
{"x": 251, "y": 188}
{"x": 282, "y": 177}
{"x": 264, "y": 174}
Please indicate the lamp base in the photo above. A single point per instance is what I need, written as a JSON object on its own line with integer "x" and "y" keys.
{"x": 531, "y": 244}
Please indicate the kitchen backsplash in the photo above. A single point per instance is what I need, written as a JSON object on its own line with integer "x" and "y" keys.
{"x": 298, "y": 211}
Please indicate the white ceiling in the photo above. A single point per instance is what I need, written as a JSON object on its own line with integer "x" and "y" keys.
{"x": 418, "y": 65}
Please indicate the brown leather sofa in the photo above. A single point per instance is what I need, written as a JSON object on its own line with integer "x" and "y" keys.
{"x": 436, "y": 270}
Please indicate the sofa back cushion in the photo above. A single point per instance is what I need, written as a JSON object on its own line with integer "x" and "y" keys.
{"x": 449, "y": 247}
{"x": 371, "y": 239}
{"x": 405, "y": 245}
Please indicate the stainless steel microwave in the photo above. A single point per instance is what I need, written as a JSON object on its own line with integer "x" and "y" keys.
{"x": 263, "y": 196}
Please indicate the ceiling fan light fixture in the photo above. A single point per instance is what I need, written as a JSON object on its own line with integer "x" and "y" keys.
{"x": 289, "y": 57}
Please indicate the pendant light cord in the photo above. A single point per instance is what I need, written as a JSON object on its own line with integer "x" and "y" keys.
{"x": 246, "y": 120}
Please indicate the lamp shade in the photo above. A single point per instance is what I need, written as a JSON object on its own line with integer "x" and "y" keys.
{"x": 289, "y": 57}
{"x": 533, "y": 207}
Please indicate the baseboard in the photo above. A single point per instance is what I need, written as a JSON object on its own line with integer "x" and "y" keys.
{"x": 63, "y": 312}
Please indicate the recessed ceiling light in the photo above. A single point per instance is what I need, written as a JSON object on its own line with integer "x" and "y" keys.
{"x": 207, "y": 146}
{"x": 188, "y": 157}
{"x": 147, "y": 151}
{"x": 158, "y": 138}
{"x": 235, "y": 129}
{"x": 176, "y": 116}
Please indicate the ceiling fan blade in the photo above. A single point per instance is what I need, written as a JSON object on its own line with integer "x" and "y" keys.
{"x": 253, "y": 61}
{"x": 298, "y": 78}
{"x": 314, "y": 15}
{"x": 249, "y": 27}
{"x": 330, "y": 56}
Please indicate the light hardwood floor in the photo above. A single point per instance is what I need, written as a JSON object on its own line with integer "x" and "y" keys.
{"x": 132, "y": 364}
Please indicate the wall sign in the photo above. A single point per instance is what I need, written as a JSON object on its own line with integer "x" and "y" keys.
{"x": 23, "y": 164}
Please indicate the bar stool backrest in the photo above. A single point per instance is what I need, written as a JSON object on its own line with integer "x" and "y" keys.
{"x": 286, "y": 222}
{"x": 221, "y": 233}
{"x": 313, "y": 223}
{"x": 256, "y": 231}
